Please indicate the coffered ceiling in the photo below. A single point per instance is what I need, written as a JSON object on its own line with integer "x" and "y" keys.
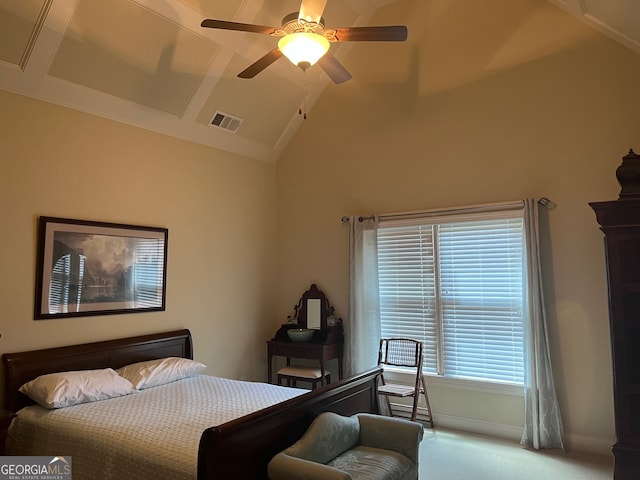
{"x": 148, "y": 63}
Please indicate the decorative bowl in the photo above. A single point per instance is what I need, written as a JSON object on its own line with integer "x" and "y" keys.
{"x": 300, "y": 334}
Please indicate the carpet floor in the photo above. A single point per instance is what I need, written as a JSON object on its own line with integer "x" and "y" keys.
{"x": 452, "y": 455}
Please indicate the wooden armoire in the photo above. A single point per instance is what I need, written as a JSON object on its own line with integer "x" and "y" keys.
{"x": 620, "y": 222}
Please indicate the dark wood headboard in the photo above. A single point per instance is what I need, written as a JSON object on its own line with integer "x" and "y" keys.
{"x": 24, "y": 366}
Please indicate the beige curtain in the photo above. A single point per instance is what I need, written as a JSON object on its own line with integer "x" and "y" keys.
{"x": 362, "y": 328}
{"x": 543, "y": 423}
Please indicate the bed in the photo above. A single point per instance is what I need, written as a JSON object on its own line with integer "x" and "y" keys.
{"x": 237, "y": 448}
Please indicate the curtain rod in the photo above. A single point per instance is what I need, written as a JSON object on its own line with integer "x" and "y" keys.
{"x": 544, "y": 201}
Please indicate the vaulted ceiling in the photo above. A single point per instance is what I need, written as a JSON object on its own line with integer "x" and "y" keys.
{"x": 148, "y": 63}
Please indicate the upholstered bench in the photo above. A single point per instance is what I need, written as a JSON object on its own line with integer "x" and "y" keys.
{"x": 294, "y": 374}
{"x": 361, "y": 447}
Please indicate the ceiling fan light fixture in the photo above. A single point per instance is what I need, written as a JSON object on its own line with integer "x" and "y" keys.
{"x": 303, "y": 48}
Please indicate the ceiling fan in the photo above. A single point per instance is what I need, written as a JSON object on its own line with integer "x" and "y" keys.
{"x": 305, "y": 40}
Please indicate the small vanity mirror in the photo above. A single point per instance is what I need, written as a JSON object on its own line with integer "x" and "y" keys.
{"x": 314, "y": 313}
{"x": 313, "y": 309}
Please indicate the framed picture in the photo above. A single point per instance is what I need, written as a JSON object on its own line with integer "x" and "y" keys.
{"x": 95, "y": 268}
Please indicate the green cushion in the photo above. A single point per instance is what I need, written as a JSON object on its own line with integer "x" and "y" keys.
{"x": 369, "y": 463}
{"x": 328, "y": 436}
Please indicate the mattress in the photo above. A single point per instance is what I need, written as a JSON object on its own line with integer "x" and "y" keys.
{"x": 151, "y": 434}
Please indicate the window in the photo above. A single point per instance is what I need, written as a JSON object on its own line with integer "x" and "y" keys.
{"x": 456, "y": 283}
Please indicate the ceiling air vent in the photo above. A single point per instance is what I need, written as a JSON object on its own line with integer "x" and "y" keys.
{"x": 226, "y": 122}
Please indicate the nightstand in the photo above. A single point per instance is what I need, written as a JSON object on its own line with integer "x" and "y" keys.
{"x": 5, "y": 420}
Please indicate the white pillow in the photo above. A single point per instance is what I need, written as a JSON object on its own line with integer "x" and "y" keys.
{"x": 158, "y": 372}
{"x": 63, "y": 389}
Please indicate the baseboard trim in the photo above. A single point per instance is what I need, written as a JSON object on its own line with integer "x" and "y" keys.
{"x": 595, "y": 445}
{"x": 500, "y": 430}
{"x": 572, "y": 442}
{"x": 510, "y": 432}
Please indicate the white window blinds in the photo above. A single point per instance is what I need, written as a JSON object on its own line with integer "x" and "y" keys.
{"x": 456, "y": 284}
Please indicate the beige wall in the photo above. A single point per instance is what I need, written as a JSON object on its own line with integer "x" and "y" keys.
{"x": 219, "y": 209}
{"x": 533, "y": 104}
{"x": 552, "y": 122}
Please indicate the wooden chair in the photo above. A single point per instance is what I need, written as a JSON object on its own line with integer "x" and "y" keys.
{"x": 405, "y": 353}
{"x": 293, "y": 374}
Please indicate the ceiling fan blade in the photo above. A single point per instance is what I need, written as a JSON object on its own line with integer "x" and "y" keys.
{"x": 258, "y": 66}
{"x": 242, "y": 27}
{"x": 391, "y": 33}
{"x": 333, "y": 68}
{"x": 311, "y": 10}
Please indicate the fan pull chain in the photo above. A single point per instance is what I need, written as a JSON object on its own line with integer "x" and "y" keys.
{"x": 302, "y": 110}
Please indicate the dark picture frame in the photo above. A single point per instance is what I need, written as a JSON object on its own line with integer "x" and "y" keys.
{"x": 86, "y": 268}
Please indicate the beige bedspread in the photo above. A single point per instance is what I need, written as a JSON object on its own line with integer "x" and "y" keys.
{"x": 151, "y": 434}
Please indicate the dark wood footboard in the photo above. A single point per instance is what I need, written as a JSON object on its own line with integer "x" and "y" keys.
{"x": 242, "y": 448}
